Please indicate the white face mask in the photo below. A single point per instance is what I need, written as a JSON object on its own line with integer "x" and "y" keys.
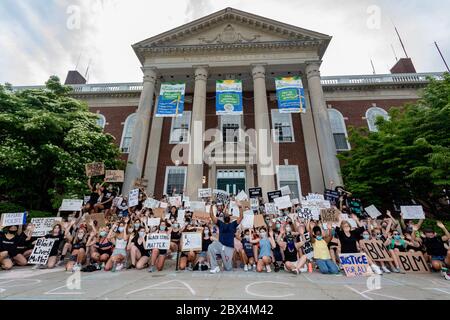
{"x": 80, "y": 236}
{"x": 263, "y": 234}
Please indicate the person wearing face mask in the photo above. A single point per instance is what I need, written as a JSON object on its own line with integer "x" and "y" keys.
{"x": 395, "y": 244}
{"x": 94, "y": 196}
{"x": 225, "y": 245}
{"x": 377, "y": 234}
{"x": 437, "y": 253}
{"x": 59, "y": 234}
{"x": 322, "y": 256}
{"x": 9, "y": 243}
{"x": 78, "y": 254}
{"x": 158, "y": 256}
{"x": 175, "y": 237}
{"x": 409, "y": 225}
{"x": 139, "y": 255}
{"x": 375, "y": 268}
{"x": 266, "y": 244}
{"x": 287, "y": 241}
{"x": 108, "y": 195}
{"x": 119, "y": 237}
{"x": 101, "y": 247}
{"x": 349, "y": 238}
{"x": 246, "y": 253}
{"x": 187, "y": 259}
{"x": 201, "y": 264}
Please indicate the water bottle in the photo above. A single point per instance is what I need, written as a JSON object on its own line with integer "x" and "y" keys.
{"x": 310, "y": 267}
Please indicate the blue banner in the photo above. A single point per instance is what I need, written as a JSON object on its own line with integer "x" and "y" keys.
{"x": 229, "y": 97}
{"x": 171, "y": 100}
{"x": 290, "y": 95}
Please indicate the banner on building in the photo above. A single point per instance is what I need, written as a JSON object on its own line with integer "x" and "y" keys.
{"x": 229, "y": 97}
{"x": 290, "y": 95}
{"x": 171, "y": 100}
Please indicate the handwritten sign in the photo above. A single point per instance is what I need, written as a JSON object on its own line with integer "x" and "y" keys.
{"x": 133, "y": 198}
{"x": 95, "y": 169}
{"x": 153, "y": 222}
{"x": 191, "y": 241}
{"x": 71, "y": 205}
{"x": 197, "y": 206}
{"x": 412, "y": 212}
{"x": 114, "y": 176}
{"x": 234, "y": 209}
{"x": 373, "y": 212}
{"x": 204, "y": 193}
{"x": 41, "y": 251}
{"x": 159, "y": 241}
{"x": 271, "y": 208}
{"x": 248, "y": 220}
{"x": 314, "y": 197}
{"x": 175, "y": 201}
{"x": 159, "y": 213}
{"x": 254, "y": 203}
{"x": 283, "y": 202}
{"x": 202, "y": 216}
{"x": 355, "y": 264}
{"x": 180, "y": 216}
{"x": 307, "y": 247}
{"x": 151, "y": 203}
{"x": 285, "y": 191}
{"x": 376, "y": 250}
{"x": 332, "y": 196}
{"x": 163, "y": 205}
{"x": 273, "y": 194}
{"x": 241, "y": 196}
{"x": 43, "y": 226}
{"x": 330, "y": 215}
{"x": 222, "y": 196}
{"x": 13, "y": 219}
{"x": 413, "y": 262}
{"x": 304, "y": 213}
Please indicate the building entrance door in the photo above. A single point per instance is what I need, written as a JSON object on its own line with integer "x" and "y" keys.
{"x": 231, "y": 180}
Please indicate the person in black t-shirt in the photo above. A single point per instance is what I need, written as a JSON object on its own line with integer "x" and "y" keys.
{"x": 108, "y": 195}
{"x": 436, "y": 251}
{"x": 10, "y": 240}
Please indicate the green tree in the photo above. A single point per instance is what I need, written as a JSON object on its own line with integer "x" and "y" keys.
{"x": 408, "y": 158}
{"x": 46, "y": 138}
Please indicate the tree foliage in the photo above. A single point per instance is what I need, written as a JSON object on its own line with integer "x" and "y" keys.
{"x": 46, "y": 138}
{"x": 408, "y": 159}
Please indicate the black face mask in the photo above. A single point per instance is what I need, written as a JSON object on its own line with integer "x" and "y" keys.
{"x": 12, "y": 231}
{"x": 226, "y": 219}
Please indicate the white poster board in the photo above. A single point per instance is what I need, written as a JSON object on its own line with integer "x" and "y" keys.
{"x": 133, "y": 198}
{"x": 163, "y": 205}
{"x": 283, "y": 202}
{"x": 254, "y": 203}
{"x": 198, "y": 206}
{"x": 13, "y": 219}
{"x": 373, "y": 212}
{"x": 249, "y": 217}
{"x": 412, "y": 212}
{"x": 153, "y": 222}
{"x": 41, "y": 251}
{"x": 315, "y": 197}
{"x": 271, "y": 208}
{"x": 157, "y": 241}
{"x": 180, "y": 216}
{"x": 241, "y": 196}
{"x": 43, "y": 226}
{"x": 191, "y": 241}
{"x": 234, "y": 209}
{"x": 175, "y": 201}
{"x": 151, "y": 203}
{"x": 71, "y": 205}
{"x": 204, "y": 193}
{"x": 285, "y": 191}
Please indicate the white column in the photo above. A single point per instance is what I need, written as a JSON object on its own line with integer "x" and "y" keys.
{"x": 195, "y": 166}
{"x": 265, "y": 161}
{"x": 325, "y": 140}
{"x": 141, "y": 131}
{"x": 151, "y": 163}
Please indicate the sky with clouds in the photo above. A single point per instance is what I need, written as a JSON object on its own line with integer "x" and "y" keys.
{"x": 39, "y": 38}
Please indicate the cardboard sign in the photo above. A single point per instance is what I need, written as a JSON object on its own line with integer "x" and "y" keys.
{"x": 315, "y": 197}
{"x": 175, "y": 201}
{"x": 412, "y": 212}
{"x": 241, "y": 196}
{"x": 271, "y": 208}
{"x": 255, "y": 192}
{"x": 151, "y": 203}
{"x": 159, "y": 213}
{"x": 42, "y": 226}
{"x": 259, "y": 221}
{"x": 159, "y": 241}
{"x": 373, "y": 212}
{"x": 273, "y": 194}
{"x": 71, "y": 205}
{"x": 191, "y": 241}
{"x": 330, "y": 215}
{"x": 304, "y": 213}
{"x": 95, "y": 169}
{"x": 254, "y": 203}
{"x": 98, "y": 218}
{"x": 283, "y": 202}
{"x": 376, "y": 250}
{"x": 413, "y": 262}
{"x": 332, "y": 196}
{"x": 13, "y": 219}
{"x": 197, "y": 206}
{"x": 41, "y": 251}
{"x": 114, "y": 176}
{"x": 355, "y": 264}
{"x": 140, "y": 183}
{"x": 202, "y": 216}
{"x": 133, "y": 198}
{"x": 249, "y": 218}
{"x": 285, "y": 191}
{"x": 204, "y": 193}
{"x": 153, "y": 222}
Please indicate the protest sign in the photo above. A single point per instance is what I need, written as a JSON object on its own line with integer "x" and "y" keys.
{"x": 41, "y": 251}
{"x": 141, "y": 183}
{"x": 255, "y": 192}
{"x": 153, "y": 222}
{"x": 330, "y": 215}
{"x": 413, "y": 262}
{"x": 273, "y": 194}
{"x": 234, "y": 209}
{"x": 283, "y": 202}
{"x": 180, "y": 216}
{"x": 376, "y": 250}
{"x": 222, "y": 196}
{"x": 13, "y": 219}
{"x": 355, "y": 264}
{"x": 241, "y": 196}
{"x": 285, "y": 191}
{"x": 71, "y": 205}
{"x": 202, "y": 216}
{"x": 290, "y": 95}
{"x": 171, "y": 100}
{"x": 95, "y": 169}
{"x": 133, "y": 198}
{"x": 197, "y": 206}
{"x": 159, "y": 213}
{"x": 352, "y": 223}
{"x": 191, "y": 241}
{"x": 204, "y": 193}
{"x": 304, "y": 213}
{"x": 114, "y": 176}
{"x": 86, "y": 199}
{"x": 42, "y": 226}
{"x": 254, "y": 203}
{"x": 163, "y": 205}
{"x": 332, "y": 196}
{"x": 229, "y": 97}
{"x": 373, "y": 212}
{"x": 295, "y": 201}
{"x": 315, "y": 197}
{"x": 307, "y": 247}
{"x": 248, "y": 220}
{"x": 117, "y": 201}
{"x": 175, "y": 201}
{"x": 97, "y": 218}
{"x": 412, "y": 212}
{"x": 271, "y": 208}
{"x": 159, "y": 241}
{"x": 259, "y": 221}
{"x": 151, "y": 203}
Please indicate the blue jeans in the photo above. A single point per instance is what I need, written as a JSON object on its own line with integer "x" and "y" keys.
{"x": 327, "y": 266}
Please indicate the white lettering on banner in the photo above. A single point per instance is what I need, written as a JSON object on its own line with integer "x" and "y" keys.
{"x": 412, "y": 212}
{"x": 133, "y": 198}
{"x": 157, "y": 241}
{"x": 43, "y": 226}
{"x": 191, "y": 241}
{"x": 283, "y": 202}
{"x": 204, "y": 193}
{"x": 373, "y": 212}
{"x": 41, "y": 251}
{"x": 71, "y": 205}
{"x": 13, "y": 219}
{"x": 249, "y": 217}
{"x": 285, "y": 191}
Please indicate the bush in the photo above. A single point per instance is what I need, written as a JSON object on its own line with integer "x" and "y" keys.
{"x": 6, "y": 207}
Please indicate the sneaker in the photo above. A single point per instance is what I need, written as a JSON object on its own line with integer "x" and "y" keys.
{"x": 119, "y": 267}
{"x": 113, "y": 269}
{"x": 60, "y": 263}
{"x": 396, "y": 270}
{"x": 376, "y": 269}
{"x": 76, "y": 267}
{"x": 174, "y": 256}
{"x": 245, "y": 268}
{"x": 151, "y": 269}
{"x": 254, "y": 267}
{"x": 268, "y": 269}
{"x": 447, "y": 276}
{"x": 385, "y": 269}
{"x": 131, "y": 266}
{"x": 304, "y": 269}
{"x": 215, "y": 270}
{"x": 189, "y": 267}
{"x": 277, "y": 268}
{"x": 203, "y": 267}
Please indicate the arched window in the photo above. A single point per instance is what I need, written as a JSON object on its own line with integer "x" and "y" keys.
{"x": 339, "y": 130}
{"x": 127, "y": 133}
{"x": 101, "y": 120}
{"x": 372, "y": 114}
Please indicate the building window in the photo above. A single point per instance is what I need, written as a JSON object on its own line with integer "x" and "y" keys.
{"x": 339, "y": 130}
{"x": 230, "y": 125}
{"x": 372, "y": 114}
{"x": 288, "y": 176}
{"x": 175, "y": 179}
{"x": 101, "y": 120}
{"x": 179, "y": 132}
{"x": 127, "y": 133}
{"x": 283, "y": 130}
